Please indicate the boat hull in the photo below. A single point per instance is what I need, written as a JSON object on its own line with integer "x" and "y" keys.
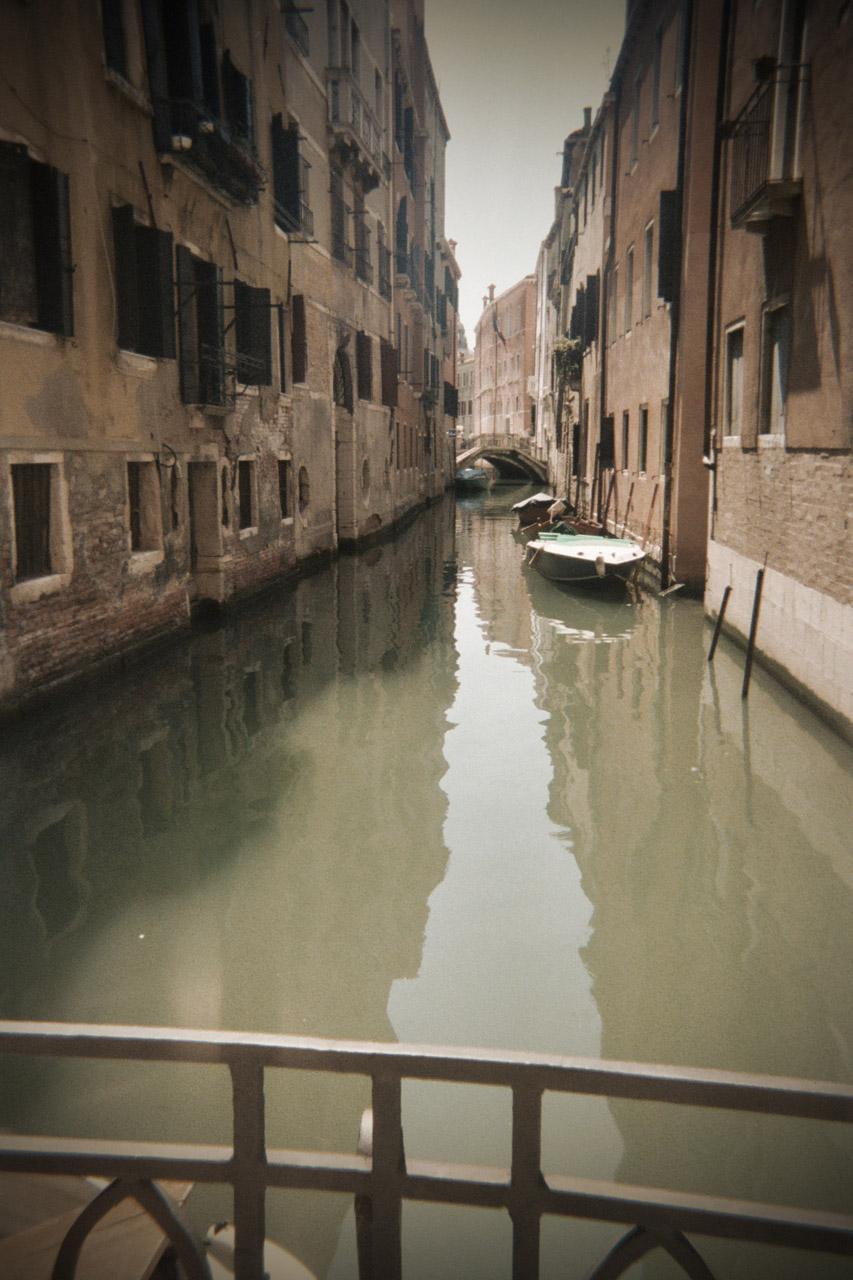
{"x": 567, "y": 558}
{"x": 471, "y": 480}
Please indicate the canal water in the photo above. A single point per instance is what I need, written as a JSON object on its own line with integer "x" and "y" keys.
{"x": 427, "y": 796}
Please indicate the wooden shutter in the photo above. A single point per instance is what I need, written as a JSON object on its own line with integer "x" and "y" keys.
{"x": 156, "y": 290}
{"x": 52, "y": 239}
{"x": 187, "y": 329}
{"x": 18, "y": 294}
{"x": 668, "y": 245}
{"x": 388, "y": 361}
{"x": 252, "y": 334}
{"x": 364, "y": 365}
{"x": 127, "y": 300}
{"x": 590, "y": 318}
{"x": 451, "y": 400}
{"x": 298, "y": 338}
{"x": 285, "y": 160}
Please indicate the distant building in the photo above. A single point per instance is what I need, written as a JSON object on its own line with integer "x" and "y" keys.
{"x": 504, "y": 360}
{"x": 466, "y": 386}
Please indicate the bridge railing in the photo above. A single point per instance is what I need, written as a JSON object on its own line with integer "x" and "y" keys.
{"x": 380, "y": 1176}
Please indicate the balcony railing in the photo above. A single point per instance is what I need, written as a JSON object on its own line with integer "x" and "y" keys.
{"x": 760, "y": 185}
{"x": 379, "y": 1175}
{"x": 302, "y": 224}
{"x": 351, "y": 119}
{"x": 296, "y": 26}
{"x": 205, "y": 144}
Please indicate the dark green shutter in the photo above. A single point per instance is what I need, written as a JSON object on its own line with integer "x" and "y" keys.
{"x": 187, "y": 333}
{"x": 127, "y": 301}
{"x": 668, "y": 245}
{"x": 18, "y": 295}
{"x": 155, "y": 292}
{"x": 52, "y": 236}
{"x": 252, "y": 334}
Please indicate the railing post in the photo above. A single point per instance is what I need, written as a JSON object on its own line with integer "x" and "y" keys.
{"x": 249, "y": 1166}
{"x": 388, "y": 1168}
{"x": 526, "y": 1180}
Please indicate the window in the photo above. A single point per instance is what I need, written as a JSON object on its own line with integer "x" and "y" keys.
{"x": 388, "y": 362}
{"x": 252, "y": 314}
{"x": 340, "y": 248}
{"x": 409, "y": 146}
{"x": 298, "y": 338}
{"x": 112, "y": 24}
{"x": 361, "y": 230}
{"x": 237, "y": 102}
{"x": 364, "y": 365}
{"x": 143, "y": 502}
{"x": 629, "y": 288}
{"x": 342, "y": 381}
{"x": 776, "y": 342}
{"x": 654, "y": 114}
{"x": 643, "y": 442}
{"x": 635, "y": 122}
{"x": 245, "y": 494}
{"x": 625, "y": 438}
{"x": 284, "y": 485}
{"x": 31, "y": 501}
{"x": 282, "y": 347}
{"x": 669, "y": 245}
{"x": 35, "y": 243}
{"x": 290, "y": 172}
{"x": 647, "y": 270}
{"x": 200, "y": 330}
{"x": 144, "y": 292}
{"x": 734, "y": 382}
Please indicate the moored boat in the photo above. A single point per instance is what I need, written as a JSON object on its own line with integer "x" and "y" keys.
{"x": 564, "y": 555}
{"x": 472, "y": 478}
{"x": 533, "y": 510}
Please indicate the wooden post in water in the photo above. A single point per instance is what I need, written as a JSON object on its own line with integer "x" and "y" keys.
{"x": 651, "y": 512}
{"x": 607, "y": 503}
{"x": 719, "y": 624}
{"x": 628, "y": 508}
{"x": 753, "y": 627}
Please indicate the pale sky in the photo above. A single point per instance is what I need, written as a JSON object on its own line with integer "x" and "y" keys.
{"x": 514, "y": 77}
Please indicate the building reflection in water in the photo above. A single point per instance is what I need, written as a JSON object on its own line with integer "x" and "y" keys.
{"x": 425, "y": 794}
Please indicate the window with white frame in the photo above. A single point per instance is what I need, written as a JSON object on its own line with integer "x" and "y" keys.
{"x": 42, "y": 544}
{"x": 775, "y": 349}
{"x": 733, "y": 404}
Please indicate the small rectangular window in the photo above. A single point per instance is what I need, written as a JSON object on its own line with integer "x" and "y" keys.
{"x": 245, "y": 504}
{"x": 144, "y": 290}
{"x": 200, "y": 330}
{"x": 364, "y": 365}
{"x": 643, "y": 441}
{"x": 143, "y": 501}
{"x": 626, "y": 423}
{"x": 635, "y": 122}
{"x": 389, "y": 364}
{"x": 654, "y": 116}
{"x": 31, "y": 500}
{"x": 629, "y": 288}
{"x": 35, "y": 243}
{"x": 648, "y": 242}
{"x": 284, "y": 488}
{"x": 298, "y": 338}
{"x": 776, "y": 342}
{"x": 252, "y": 314}
{"x": 734, "y": 382}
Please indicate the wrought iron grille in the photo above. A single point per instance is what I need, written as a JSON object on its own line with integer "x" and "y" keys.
{"x": 380, "y": 1176}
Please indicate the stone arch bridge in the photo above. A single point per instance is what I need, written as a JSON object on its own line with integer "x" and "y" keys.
{"x": 513, "y": 457}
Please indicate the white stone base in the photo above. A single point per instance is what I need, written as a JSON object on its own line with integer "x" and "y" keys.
{"x": 805, "y": 636}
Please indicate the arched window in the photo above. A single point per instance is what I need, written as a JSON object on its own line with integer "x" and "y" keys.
{"x": 342, "y": 381}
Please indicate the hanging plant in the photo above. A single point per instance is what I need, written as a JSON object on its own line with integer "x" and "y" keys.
{"x": 567, "y": 359}
{"x": 429, "y": 398}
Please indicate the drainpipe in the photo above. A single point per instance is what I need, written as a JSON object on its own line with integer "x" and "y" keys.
{"x": 675, "y": 307}
{"x": 709, "y": 442}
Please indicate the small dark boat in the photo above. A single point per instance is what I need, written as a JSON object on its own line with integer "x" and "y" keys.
{"x": 533, "y": 510}
{"x": 470, "y": 479}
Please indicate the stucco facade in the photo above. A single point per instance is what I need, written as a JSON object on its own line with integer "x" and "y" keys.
{"x": 504, "y": 361}
{"x": 197, "y": 342}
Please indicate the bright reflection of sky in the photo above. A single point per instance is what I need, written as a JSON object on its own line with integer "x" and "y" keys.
{"x": 514, "y": 80}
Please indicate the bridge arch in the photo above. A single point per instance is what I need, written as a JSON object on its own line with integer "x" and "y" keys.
{"x": 513, "y": 457}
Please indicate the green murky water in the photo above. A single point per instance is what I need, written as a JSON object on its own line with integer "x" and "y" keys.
{"x": 426, "y": 796}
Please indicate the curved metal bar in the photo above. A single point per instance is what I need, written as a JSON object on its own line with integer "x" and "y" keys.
{"x": 639, "y": 1241}
{"x": 148, "y": 1197}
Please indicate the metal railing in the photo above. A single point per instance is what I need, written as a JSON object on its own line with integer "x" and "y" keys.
{"x": 381, "y": 1177}
{"x": 348, "y": 109}
{"x": 751, "y": 134}
{"x": 296, "y": 26}
{"x": 206, "y": 145}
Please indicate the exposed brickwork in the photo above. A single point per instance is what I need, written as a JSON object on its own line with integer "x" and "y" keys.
{"x": 794, "y": 507}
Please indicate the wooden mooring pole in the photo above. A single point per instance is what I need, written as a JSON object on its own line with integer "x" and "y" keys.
{"x": 719, "y": 626}
{"x": 753, "y": 627}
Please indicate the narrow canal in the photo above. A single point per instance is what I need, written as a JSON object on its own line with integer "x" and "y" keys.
{"x": 428, "y": 796}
